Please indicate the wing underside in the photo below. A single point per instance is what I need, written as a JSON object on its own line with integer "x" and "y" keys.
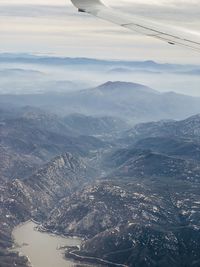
{"x": 170, "y": 34}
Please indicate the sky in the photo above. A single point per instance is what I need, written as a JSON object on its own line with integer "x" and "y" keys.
{"x": 55, "y": 27}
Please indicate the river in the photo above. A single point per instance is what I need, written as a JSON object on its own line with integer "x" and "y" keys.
{"x": 42, "y": 248}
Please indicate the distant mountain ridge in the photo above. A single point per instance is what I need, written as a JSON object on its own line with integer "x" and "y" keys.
{"x": 80, "y": 73}
{"x": 118, "y": 87}
{"x": 128, "y": 101}
{"x": 44, "y": 59}
{"x": 70, "y": 161}
{"x": 187, "y": 128}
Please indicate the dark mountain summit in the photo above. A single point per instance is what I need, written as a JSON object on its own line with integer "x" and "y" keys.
{"x": 188, "y": 129}
{"x": 172, "y": 146}
{"x": 129, "y": 101}
{"x": 125, "y": 87}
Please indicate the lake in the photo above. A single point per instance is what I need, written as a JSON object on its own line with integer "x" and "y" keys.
{"x": 42, "y": 248}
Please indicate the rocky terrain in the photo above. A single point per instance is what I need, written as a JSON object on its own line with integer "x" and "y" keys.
{"x": 172, "y": 146}
{"x": 135, "y": 222}
{"x": 37, "y": 170}
{"x": 34, "y": 196}
{"x": 151, "y": 164}
{"x": 187, "y": 129}
{"x": 133, "y": 195}
{"x": 95, "y": 126}
{"x": 130, "y": 102}
{"x": 145, "y": 211}
{"x": 33, "y": 138}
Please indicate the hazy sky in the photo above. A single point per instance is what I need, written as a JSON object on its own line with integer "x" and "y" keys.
{"x": 54, "y": 27}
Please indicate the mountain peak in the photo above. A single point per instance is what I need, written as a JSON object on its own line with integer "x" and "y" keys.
{"x": 194, "y": 118}
{"x": 111, "y": 84}
{"x": 120, "y": 85}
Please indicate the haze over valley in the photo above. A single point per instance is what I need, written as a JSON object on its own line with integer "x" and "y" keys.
{"x": 99, "y": 134}
{"x": 86, "y": 152}
{"x": 28, "y": 73}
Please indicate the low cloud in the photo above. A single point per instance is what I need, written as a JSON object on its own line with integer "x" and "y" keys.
{"x": 56, "y": 27}
{"x": 25, "y": 10}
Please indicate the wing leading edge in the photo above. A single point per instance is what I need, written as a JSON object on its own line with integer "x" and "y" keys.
{"x": 166, "y": 33}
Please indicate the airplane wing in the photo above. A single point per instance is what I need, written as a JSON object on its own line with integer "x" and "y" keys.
{"x": 169, "y": 34}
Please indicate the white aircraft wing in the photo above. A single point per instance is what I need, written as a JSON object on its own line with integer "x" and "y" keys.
{"x": 170, "y": 34}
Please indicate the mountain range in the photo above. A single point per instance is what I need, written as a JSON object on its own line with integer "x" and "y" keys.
{"x": 130, "y": 190}
{"x": 46, "y": 59}
{"x": 132, "y": 102}
{"x": 145, "y": 210}
{"x": 36, "y": 74}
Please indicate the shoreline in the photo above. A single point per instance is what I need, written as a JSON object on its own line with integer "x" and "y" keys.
{"x": 71, "y": 254}
{"x": 42, "y": 229}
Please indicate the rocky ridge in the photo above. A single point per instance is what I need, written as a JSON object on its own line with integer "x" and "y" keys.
{"x": 143, "y": 210}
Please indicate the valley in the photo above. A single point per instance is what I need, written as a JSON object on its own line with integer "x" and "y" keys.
{"x": 127, "y": 186}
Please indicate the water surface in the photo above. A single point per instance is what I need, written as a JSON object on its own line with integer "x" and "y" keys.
{"x": 42, "y": 248}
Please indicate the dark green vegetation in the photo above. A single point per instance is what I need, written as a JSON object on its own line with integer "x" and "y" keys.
{"x": 133, "y": 194}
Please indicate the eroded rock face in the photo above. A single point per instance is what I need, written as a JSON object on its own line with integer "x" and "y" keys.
{"x": 36, "y": 170}
{"x": 135, "y": 222}
{"x": 36, "y": 195}
{"x": 40, "y": 191}
{"x": 144, "y": 211}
